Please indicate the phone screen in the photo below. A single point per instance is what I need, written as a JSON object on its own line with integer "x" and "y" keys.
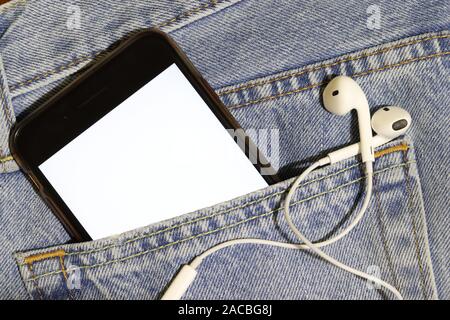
{"x": 160, "y": 153}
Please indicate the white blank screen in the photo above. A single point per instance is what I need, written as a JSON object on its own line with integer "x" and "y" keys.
{"x": 159, "y": 154}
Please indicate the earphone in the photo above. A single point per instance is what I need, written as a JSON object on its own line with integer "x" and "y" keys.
{"x": 388, "y": 123}
{"x": 343, "y": 94}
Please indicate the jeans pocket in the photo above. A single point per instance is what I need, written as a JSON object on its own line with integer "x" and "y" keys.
{"x": 390, "y": 242}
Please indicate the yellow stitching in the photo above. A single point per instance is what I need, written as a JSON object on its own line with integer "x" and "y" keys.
{"x": 400, "y": 147}
{"x": 324, "y": 82}
{"x": 221, "y": 228}
{"x": 44, "y": 256}
{"x": 93, "y": 55}
{"x": 6, "y": 159}
{"x": 332, "y": 64}
{"x": 63, "y": 267}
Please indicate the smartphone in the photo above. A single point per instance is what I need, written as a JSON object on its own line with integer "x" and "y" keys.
{"x": 140, "y": 137}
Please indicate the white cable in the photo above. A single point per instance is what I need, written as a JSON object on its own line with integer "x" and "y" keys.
{"x": 198, "y": 260}
{"x": 355, "y": 221}
{"x": 316, "y": 248}
{"x": 181, "y": 282}
{"x": 187, "y": 273}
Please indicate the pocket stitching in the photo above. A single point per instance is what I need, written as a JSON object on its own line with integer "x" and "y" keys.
{"x": 331, "y": 64}
{"x": 126, "y": 258}
{"x": 355, "y": 75}
{"x": 386, "y": 250}
{"x": 379, "y": 153}
{"x": 87, "y": 57}
{"x": 414, "y": 231}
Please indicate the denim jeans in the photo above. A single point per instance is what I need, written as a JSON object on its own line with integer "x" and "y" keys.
{"x": 268, "y": 61}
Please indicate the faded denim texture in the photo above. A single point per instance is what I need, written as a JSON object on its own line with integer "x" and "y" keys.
{"x": 268, "y": 60}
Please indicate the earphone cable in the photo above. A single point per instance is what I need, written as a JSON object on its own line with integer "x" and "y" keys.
{"x": 316, "y": 249}
{"x": 187, "y": 274}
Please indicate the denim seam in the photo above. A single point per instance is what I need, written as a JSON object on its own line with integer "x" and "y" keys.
{"x": 384, "y": 240}
{"x": 404, "y": 62}
{"x": 35, "y": 283}
{"x": 7, "y": 111}
{"x": 427, "y": 253}
{"x": 108, "y": 262}
{"x": 87, "y": 57}
{"x": 8, "y": 119}
{"x": 414, "y": 231}
{"x": 332, "y": 64}
{"x": 189, "y": 13}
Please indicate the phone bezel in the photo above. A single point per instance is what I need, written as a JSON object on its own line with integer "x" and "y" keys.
{"x": 95, "y": 93}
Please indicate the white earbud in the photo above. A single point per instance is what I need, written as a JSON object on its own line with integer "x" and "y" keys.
{"x": 391, "y": 122}
{"x": 388, "y": 122}
{"x": 343, "y": 94}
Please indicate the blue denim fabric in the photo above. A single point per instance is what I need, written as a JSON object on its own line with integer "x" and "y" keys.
{"x": 268, "y": 60}
{"x": 139, "y": 264}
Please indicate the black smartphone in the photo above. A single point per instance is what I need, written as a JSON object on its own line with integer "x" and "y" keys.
{"x": 140, "y": 137}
